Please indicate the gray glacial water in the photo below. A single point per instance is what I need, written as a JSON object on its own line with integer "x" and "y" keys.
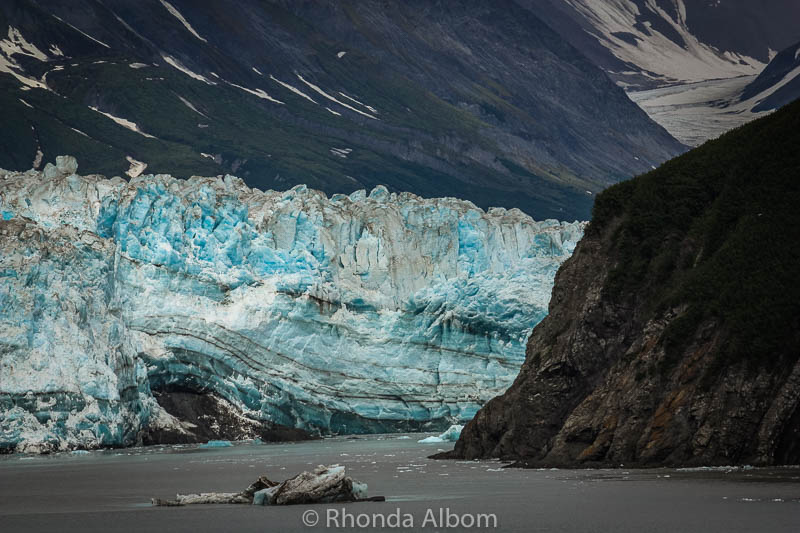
{"x": 111, "y": 491}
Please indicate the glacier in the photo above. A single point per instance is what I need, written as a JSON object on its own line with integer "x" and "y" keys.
{"x": 373, "y": 312}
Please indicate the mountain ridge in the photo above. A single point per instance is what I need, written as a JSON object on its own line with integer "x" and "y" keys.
{"x": 485, "y": 102}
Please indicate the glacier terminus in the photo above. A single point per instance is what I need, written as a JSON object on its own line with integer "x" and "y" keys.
{"x": 373, "y": 312}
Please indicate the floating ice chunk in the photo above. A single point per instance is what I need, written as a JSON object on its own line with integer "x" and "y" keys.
{"x": 450, "y": 435}
{"x": 216, "y": 444}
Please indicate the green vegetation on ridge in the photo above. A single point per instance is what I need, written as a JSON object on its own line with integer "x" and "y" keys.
{"x": 715, "y": 233}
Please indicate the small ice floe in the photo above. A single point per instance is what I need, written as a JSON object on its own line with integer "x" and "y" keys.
{"x": 324, "y": 484}
{"x": 216, "y": 444}
{"x": 340, "y": 54}
{"x": 137, "y": 65}
{"x": 79, "y": 452}
{"x": 451, "y": 435}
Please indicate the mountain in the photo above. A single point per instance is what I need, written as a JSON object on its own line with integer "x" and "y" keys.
{"x": 674, "y": 329}
{"x": 480, "y": 100}
{"x": 267, "y": 310}
{"x": 644, "y": 44}
{"x": 696, "y": 112}
{"x": 778, "y": 84}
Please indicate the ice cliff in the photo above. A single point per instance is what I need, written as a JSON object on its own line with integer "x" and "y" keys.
{"x": 361, "y": 313}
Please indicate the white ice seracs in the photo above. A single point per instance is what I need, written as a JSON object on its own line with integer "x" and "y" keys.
{"x": 360, "y": 313}
{"x": 451, "y": 435}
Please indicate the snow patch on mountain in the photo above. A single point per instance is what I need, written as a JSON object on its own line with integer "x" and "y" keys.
{"x": 171, "y": 61}
{"x": 256, "y": 92}
{"x": 333, "y": 99}
{"x": 292, "y": 88}
{"x": 125, "y": 123}
{"x": 137, "y": 167}
{"x": 175, "y": 13}
{"x": 191, "y": 106}
{"x": 619, "y": 26}
{"x": 101, "y": 43}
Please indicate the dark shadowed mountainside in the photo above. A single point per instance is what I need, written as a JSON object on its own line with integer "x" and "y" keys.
{"x": 479, "y": 99}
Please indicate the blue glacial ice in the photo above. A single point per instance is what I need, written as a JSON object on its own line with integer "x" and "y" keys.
{"x": 217, "y": 444}
{"x": 450, "y": 435}
{"x": 362, "y": 313}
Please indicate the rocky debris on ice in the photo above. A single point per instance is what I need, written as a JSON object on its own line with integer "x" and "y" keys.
{"x": 451, "y": 435}
{"x": 324, "y": 484}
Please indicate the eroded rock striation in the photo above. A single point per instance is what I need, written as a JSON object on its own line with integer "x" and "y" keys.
{"x": 674, "y": 330}
{"x": 361, "y": 313}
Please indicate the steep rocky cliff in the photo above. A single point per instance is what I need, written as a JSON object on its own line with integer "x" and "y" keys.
{"x": 674, "y": 330}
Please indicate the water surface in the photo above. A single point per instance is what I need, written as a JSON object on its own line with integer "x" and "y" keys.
{"x": 111, "y": 491}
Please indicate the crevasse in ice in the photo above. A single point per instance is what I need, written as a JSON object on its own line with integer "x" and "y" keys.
{"x": 360, "y": 313}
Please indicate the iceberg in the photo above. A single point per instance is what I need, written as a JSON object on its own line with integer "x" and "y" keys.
{"x": 373, "y": 312}
{"x": 451, "y": 435}
{"x": 324, "y": 484}
{"x": 217, "y": 444}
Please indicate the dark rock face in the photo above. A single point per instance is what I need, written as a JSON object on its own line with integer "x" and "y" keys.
{"x": 673, "y": 335}
{"x": 205, "y": 416}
